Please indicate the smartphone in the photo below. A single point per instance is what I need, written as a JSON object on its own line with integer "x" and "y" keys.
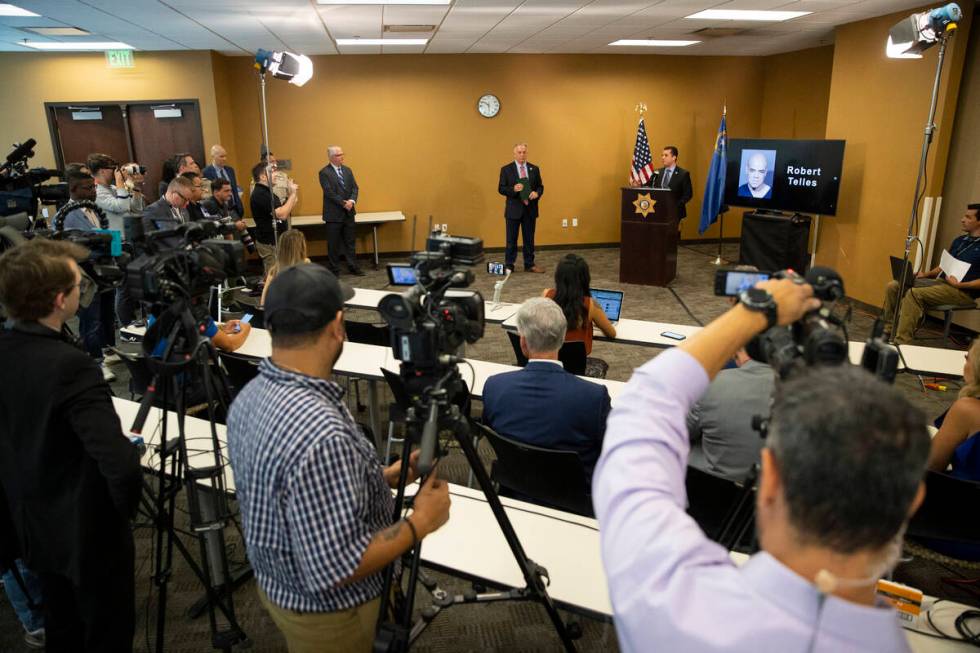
{"x": 673, "y": 335}
{"x": 496, "y": 269}
{"x": 402, "y": 274}
{"x": 245, "y": 320}
{"x": 729, "y": 282}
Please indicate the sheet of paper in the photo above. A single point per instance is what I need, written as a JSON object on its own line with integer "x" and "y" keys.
{"x": 953, "y": 267}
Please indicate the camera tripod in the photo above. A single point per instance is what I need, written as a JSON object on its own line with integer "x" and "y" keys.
{"x": 435, "y": 410}
{"x": 187, "y": 358}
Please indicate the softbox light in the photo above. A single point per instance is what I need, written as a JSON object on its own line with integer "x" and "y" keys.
{"x": 911, "y": 36}
{"x": 294, "y": 68}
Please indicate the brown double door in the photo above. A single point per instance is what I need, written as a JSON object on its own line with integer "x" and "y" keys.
{"x": 143, "y": 132}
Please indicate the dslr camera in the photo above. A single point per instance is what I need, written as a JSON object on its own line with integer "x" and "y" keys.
{"x": 133, "y": 169}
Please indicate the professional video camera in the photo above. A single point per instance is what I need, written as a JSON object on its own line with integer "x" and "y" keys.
{"x": 820, "y": 336}
{"x": 429, "y": 325}
{"x": 107, "y": 260}
{"x": 183, "y": 263}
{"x": 20, "y": 186}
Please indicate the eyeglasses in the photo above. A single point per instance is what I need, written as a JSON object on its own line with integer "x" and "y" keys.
{"x": 84, "y": 285}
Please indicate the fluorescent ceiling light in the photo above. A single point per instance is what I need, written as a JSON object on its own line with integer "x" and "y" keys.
{"x": 654, "y": 43}
{"x": 382, "y": 41}
{"x": 747, "y": 14}
{"x": 91, "y": 45}
{"x": 11, "y": 10}
{"x": 58, "y": 31}
{"x": 383, "y": 2}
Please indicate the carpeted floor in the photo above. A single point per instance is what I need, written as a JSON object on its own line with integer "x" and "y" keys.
{"x": 511, "y": 627}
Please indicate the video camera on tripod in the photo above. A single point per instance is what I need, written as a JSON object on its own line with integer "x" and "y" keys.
{"x": 429, "y": 325}
{"x": 184, "y": 263}
{"x": 21, "y": 187}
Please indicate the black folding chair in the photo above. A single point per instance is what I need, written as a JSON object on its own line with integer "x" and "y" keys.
{"x": 941, "y": 515}
{"x": 515, "y": 342}
{"x": 140, "y": 376}
{"x": 240, "y": 370}
{"x": 549, "y": 477}
{"x": 724, "y": 509}
{"x": 572, "y": 357}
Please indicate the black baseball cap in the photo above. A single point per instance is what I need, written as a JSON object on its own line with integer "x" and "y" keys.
{"x": 308, "y": 292}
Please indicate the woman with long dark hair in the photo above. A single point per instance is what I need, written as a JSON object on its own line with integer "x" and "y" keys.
{"x": 571, "y": 293}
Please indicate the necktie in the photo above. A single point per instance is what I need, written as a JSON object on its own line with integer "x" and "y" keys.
{"x": 222, "y": 174}
{"x": 523, "y": 172}
{"x": 177, "y": 215}
{"x": 666, "y": 177}
{"x": 340, "y": 177}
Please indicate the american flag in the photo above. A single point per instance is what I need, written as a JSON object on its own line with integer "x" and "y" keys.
{"x": 642, "y": 170}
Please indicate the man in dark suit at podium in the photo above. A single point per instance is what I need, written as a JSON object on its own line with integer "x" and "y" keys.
{"x": 674, "y": 177}
{"x": 520, "y": 183}
{"x": 542, "y": 404}
{"x": 339, "y": 197}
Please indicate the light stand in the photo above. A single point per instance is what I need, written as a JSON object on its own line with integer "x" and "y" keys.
{"x": 942, "y": 37}
{"x": 297, "y": 69}
{"x": 268, "y": 165}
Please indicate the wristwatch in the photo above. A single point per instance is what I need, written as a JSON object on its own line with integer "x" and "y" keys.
{"x": 759, "y": 300}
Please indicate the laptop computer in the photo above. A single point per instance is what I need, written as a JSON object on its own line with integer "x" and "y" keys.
{"x": 611, "y": 302}
{"x": 897, "y": 269}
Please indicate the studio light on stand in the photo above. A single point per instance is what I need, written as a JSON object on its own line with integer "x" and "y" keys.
{"x": 296, "y": 69}
{"x": 908, "y": 39}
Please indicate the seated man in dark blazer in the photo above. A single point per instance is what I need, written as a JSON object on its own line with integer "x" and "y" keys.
{"x": 169, "y": 211}
{"x": 543, "y": 404}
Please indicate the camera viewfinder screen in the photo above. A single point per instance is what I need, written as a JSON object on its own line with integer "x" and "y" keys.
{"x": 736, "y": 281}
{"x": 402, "y": 275}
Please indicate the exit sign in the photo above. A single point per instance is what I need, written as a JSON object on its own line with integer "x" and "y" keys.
{"x": 119, "y": 58}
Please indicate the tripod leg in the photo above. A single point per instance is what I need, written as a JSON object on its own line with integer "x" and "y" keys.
{"x": 533, "y": 573}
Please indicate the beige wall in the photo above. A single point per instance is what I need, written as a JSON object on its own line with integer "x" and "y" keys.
{"x": 412, "y": 135}
{"x": 879, "y": 106}
{"x": 796, "y": 93}
{"x": 30, "y": 80}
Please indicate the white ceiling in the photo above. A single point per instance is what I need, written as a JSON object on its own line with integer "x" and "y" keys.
{"x": 240, "y": 27}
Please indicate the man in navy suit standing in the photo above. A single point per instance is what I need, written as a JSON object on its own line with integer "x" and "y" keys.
{"x": 339, "y": 197}
{"x": 520, "y": 183}
{"x": 542, "y": 404}
{"x": 219, "y": 170}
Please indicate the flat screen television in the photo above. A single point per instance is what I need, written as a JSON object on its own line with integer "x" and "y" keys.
{"x": 784, "y": 175}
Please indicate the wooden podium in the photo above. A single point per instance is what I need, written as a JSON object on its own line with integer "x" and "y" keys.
{"x": 648, "y": 241}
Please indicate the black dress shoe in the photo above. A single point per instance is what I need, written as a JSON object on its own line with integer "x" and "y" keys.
{"x": 357, "y": 272}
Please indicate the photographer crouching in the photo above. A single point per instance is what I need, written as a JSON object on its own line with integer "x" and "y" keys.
{"x": 71, "y": 479}
{"x": 316, "y": 505}
{"x": 841, "y": 474}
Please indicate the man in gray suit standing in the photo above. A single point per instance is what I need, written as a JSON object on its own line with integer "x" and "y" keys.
{"x": 723, "y": 441}
{"x": 339, "y": 197}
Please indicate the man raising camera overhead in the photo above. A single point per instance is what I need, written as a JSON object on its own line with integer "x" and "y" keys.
{"x": 841, "y": 474}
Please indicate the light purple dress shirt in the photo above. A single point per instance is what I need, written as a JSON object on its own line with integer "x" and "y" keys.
{"x": 673, "y": 589}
